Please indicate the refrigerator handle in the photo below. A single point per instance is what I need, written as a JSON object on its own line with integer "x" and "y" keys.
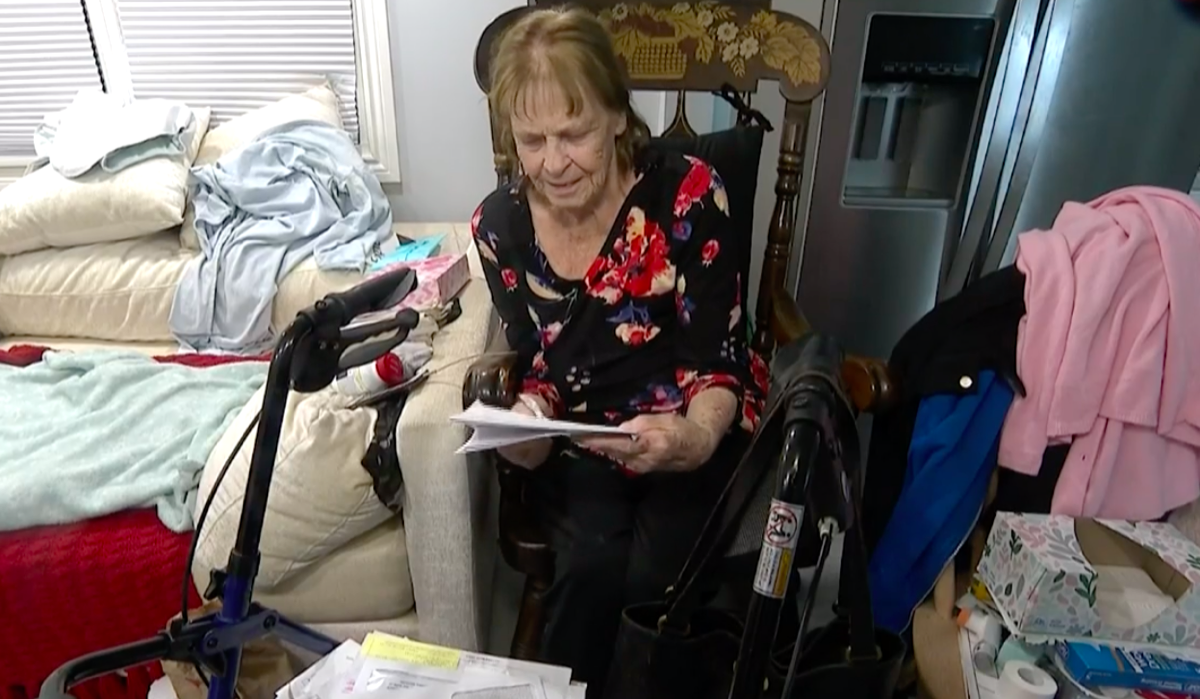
{"x": 1056, "y": 28}
{"x": 1019, "y": 48}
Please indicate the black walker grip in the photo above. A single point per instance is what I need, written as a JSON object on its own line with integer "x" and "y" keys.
{"x": 375, "y": 294}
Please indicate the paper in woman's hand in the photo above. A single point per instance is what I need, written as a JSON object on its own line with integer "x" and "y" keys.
{"x": 496, "y": 427}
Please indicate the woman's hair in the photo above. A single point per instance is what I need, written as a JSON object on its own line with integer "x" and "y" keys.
{"x": 570, "y": 47}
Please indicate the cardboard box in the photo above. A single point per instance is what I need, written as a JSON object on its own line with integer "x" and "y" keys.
{"x": 1055, "y": 577}
{"x": 266, "y": 666}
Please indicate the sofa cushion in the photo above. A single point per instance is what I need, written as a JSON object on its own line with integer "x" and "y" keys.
{"x": 365, "y": 580}
{"x": 45, "y": 209}
{"x": 303, "y": 286}
{"x": 321, "y": 497}
{"x": 317, "y": 104}
{"x": 123, "y": 291}
{"x": 118, "y": 291}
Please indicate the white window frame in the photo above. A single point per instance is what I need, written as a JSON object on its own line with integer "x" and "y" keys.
{"x": 11, "y": 168}
{"x": 379, "y": 141}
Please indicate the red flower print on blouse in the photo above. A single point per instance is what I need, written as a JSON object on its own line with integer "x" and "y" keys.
{"x": 709, "y": 251}
{"x": 695, "y": 185}
{"x": 509, "y": 277}
{"x": 639, "y": 264}
{"x": 544, "y": 390}
{"x": 634, "y": 326}
{"x": 703, "y": 382}
{"x": 658, "y": 398}
{"x": 475, "y": 218}
{"x": 753, "y": 402}
{"x": 485, "y": 240}
{"x": 648, "y": 269}
{"x": 752, "y": 409}
{"x": 699, "y": 181}
{"x": 760, "y": 372}
{"x": 634, "y": 334}
{"x": 550, "y": 333}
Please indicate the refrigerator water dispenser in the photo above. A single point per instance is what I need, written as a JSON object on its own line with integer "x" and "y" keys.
{"x": 919, "y": 87}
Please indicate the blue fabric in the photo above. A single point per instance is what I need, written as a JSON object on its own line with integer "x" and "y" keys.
{"x": 299, "y": 190}
{"x": 950, "y": 462}
{"x": 91, "y": 433}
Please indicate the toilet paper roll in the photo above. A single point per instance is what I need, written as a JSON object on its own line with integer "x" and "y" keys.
{"x": 1022, "y": 680}
{"x": 1016, "y": 649}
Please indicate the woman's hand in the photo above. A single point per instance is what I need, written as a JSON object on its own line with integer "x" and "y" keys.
{"x": 661, "y": 442}
{"x": 528, "y": 455}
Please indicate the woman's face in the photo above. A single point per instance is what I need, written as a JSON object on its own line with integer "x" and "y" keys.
{"x": 568, "y": 158}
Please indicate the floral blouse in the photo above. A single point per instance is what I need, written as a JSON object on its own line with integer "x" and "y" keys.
{"x": 657, "y": 317}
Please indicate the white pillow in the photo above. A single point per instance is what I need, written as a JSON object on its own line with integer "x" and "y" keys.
{"x": 45, "y": 209}
{"x": 317, "y": 104}
{"x": 321, "y": 497}
{"x": 118, "y": 291}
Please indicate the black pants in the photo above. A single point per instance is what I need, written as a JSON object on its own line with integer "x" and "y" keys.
{"x": 618, "y": 541}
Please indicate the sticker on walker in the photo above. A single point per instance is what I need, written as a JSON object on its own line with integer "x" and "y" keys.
{"x": 780, "y": 537}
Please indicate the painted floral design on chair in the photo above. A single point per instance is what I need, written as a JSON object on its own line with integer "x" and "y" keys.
{"x": 657, "y": 41}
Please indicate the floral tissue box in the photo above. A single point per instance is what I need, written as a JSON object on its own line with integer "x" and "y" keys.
{"x": 439, "y": 279}
{"x": 1057, "y": 577}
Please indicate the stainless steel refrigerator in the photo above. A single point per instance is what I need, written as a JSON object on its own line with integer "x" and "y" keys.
{"x": 951, "y": 125}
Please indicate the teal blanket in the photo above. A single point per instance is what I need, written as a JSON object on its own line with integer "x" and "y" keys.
{"x": 91, "y": 433}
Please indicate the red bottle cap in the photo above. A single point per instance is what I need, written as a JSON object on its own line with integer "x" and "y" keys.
{"x": 390, "y": 369}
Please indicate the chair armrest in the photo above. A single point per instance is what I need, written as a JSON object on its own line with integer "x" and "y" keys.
{"x": 788, "y": 323}
{"x": 869, "y": 383}
{"x": 523, "y": 544}
{"x": 867, "y": 380}
{"x": 491, "y": 380}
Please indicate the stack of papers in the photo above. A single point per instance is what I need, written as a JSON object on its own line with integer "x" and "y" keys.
{"x": 391, "y": 667}
{"x": 494, "y": 427}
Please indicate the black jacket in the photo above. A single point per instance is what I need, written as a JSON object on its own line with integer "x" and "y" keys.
{"x": 942, "y": 353}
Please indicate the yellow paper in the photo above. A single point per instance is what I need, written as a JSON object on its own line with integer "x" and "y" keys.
{"x": 388, "y": 647}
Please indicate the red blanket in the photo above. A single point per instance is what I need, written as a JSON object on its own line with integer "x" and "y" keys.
{"x": 25, "y": 355}
{"x": 70, "y": 590}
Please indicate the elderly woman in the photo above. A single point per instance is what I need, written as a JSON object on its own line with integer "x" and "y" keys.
{"x": 613, "y": 269}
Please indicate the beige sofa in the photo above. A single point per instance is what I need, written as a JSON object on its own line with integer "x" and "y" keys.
{"x": 333, "y": 557}
{"x": 94, "y": 261}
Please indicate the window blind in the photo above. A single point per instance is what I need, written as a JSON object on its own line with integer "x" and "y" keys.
{"x": 45, "y": 58}
{"x": 238, "y": 55}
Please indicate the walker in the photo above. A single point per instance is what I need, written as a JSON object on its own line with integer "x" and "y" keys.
{"x": 323, "y": 341}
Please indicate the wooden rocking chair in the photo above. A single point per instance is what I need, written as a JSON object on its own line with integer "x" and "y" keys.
{"x": 681, "y": 47}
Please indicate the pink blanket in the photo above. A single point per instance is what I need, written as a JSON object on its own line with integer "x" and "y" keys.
{"x": 1110, "y": 354}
